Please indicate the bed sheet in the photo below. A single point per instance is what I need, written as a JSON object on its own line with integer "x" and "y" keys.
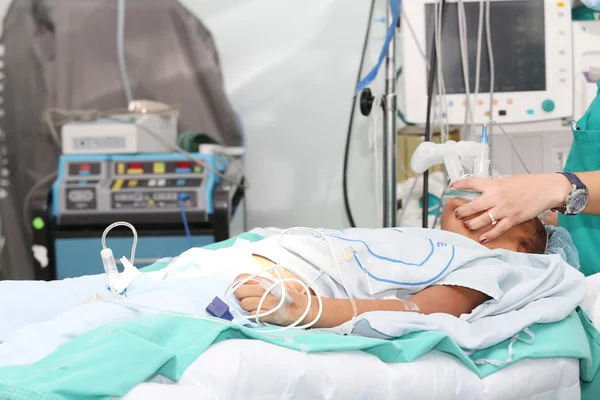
{"x": 235, "y": 369}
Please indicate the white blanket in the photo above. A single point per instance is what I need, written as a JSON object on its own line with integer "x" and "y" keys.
{"x": 34, "y": 339}
{"x": 524, "y": 289}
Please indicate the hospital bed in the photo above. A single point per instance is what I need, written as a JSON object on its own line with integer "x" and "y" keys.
{"x": 236, "y": 369}
{"x": 253, "y": 369}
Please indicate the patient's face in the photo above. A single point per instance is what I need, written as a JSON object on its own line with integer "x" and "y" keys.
{"x": 452, "y": 224}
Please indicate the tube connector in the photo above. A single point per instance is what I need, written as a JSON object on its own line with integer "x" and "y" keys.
{"x": 482, "y": 165}
{"x": 484, "y": 134}
{"x": 110, "y": 268}
{"x": 108, "y": 260}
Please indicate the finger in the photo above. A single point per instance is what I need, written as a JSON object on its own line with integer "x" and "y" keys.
{"x": 494, "y": 233}
{"x": 241, "y": 277}
{"x": 476, "y": 184}
{"x": 267, "y": 318}
{"x": 249, "y": 290}
{"x": 244, "y": 277}
{"x": 473, "y": 207}
{"x": 483, "y": 220}
{"x": 251, "y": 303}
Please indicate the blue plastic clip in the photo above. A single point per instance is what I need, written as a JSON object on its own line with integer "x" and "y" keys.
{"x": 123, "y": 293}
{"x": 218, "y": 308}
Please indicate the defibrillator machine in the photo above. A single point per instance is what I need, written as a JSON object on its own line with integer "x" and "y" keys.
{"x": 175, "y": 203}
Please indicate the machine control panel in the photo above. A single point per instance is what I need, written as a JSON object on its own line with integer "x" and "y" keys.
{"x": 135, "y": 184}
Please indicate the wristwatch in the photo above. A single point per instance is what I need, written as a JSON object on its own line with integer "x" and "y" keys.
{"x": 577, "y": 199}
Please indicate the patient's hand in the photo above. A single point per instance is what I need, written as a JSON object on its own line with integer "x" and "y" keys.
{"x": 251, "y": 292}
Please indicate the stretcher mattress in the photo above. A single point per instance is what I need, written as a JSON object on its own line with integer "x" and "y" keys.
{"x": 235, "y": 369}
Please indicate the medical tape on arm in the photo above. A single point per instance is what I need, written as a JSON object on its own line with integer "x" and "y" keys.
{"x": 406, "y": 305}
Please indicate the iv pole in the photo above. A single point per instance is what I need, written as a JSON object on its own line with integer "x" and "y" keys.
{"x": 389, "y": 131}
{"x": 389, "y": 126}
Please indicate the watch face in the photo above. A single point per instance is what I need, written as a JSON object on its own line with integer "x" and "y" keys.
{"x": 578, "y": 201}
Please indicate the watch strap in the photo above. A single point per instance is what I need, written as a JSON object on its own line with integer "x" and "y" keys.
{"x": 574, "y": 179}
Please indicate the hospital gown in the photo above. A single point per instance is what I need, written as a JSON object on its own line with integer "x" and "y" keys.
{"x": 373, "y": 263}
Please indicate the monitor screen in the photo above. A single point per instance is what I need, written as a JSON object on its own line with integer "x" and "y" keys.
{"x": 518, "y": 42}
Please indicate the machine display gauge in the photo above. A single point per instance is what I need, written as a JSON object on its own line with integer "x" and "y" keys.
{"x": 84, "y": 169}
{"x": 140, "y": 200}
{"x": 157, "y": 167}
{"x": 80, "y": 199}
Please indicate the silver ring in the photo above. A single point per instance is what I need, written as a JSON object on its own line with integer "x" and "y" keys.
{"x": 494, "y": 222}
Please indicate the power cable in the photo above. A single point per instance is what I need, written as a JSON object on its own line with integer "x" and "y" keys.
{"x": 349, "y": 134}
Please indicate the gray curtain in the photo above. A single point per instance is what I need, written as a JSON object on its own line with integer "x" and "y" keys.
{"x": 62, "y": 53}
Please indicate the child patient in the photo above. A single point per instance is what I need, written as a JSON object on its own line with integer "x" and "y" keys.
{"x": 60, "y": 310}
{"x": 528, "y": 237}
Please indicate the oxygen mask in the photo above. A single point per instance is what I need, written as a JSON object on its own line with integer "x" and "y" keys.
{"x": 467, "y": 195}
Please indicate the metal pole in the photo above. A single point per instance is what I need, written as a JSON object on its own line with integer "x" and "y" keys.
{"x": 430, "y": 94}
{"x": 389, "y": 138}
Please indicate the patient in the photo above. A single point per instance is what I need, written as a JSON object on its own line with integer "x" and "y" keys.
{"x": 528, "y": 237}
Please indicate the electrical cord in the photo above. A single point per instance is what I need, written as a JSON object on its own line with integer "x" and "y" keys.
{"x": 28, "y": 197}
{"x": 491, "y": 59}
{"x": 492, "y": 122}
{"x": 48, "y": 119}
{"x": 121, "y": 10}
{"x": 399, "y": 112}
{"x": 182, "y": 198}
{"x": 414, "y": 36}
{"x": 349, "y": 133}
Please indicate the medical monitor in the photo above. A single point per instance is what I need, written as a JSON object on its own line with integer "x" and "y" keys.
{"x": 531, "y": 43}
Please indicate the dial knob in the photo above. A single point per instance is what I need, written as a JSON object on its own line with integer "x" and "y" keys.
{"x": 548, "y": 105}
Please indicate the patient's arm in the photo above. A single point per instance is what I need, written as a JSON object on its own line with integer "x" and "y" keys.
{"x": 453, "y": 300}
